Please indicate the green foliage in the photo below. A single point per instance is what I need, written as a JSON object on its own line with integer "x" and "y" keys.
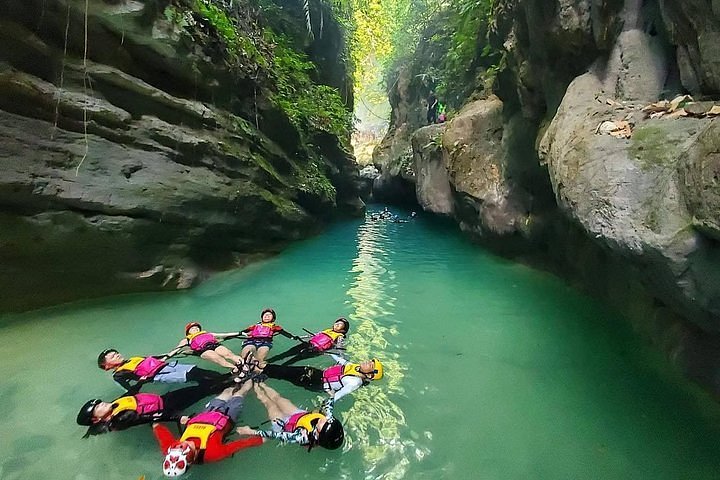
{"x": 313, "y": 181}
{"x": 219, "y": 19}
{"x": 308, "y": 105}
{"x": 177, "y": 17}
{"x": 446, "y": 47}
{"x": 241, "y": 49}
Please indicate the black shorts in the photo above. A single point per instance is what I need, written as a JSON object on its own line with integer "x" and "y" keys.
{"x": 206, "y": 347}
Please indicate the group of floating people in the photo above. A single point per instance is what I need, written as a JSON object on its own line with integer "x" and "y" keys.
{"x": 204, "y": 435}
{"x": 388, "y": 216}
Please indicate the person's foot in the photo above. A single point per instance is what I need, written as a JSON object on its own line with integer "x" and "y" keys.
{"x": 241, "y": 372}
{"x": 259, "y": 378}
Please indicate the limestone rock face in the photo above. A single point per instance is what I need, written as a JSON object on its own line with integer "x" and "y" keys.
{"x": 626, "y": 193}
{"x": 393, "y": 156}
{"x": 146, "y": 162}
{"x": 694, "y": 28}
{"x": 472, "y": 144}
{"x": 432, "y": 183}
{"x": 699, "y": 180}
{"x": 634, "y": 217}
{"x": 632, "y": 195}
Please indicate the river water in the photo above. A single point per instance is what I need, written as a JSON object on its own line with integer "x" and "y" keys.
{"x": 493, "y": 371}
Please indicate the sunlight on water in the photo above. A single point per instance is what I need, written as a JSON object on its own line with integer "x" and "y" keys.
{"x": 374, "y": 420}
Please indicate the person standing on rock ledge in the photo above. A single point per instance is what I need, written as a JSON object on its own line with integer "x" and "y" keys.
{"x": 432, "y": 108}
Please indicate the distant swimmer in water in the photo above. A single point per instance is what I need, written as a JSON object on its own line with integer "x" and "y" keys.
{"x": 203, "y": 438}
{"x": 328, "y": 339}
{"x": 206, "y": 345}
{"x": 386, "y": 214}
{"x": 141, "y": 370}
{"x": 410, "y": 217}
{"x": 291, "y": 424}
{"x": 131, "y": 410}
{"x": 338, "y": 380}
{"x": 260, "y": 336}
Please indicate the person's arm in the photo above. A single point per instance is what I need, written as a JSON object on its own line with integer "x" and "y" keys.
{"x": 127, "y": 419}
{"x": 340, "y": 342}
{"x": 163, "y": 436}
{"x": 350, "y": 384}
{"x": 286, "y": 437}
{"x": 124, "y": 379}
{"x": 327, "y": 407}
{"x": 338, "y": 359}
{"x": 172, "y": 352}
{"x": 223, "y": 336}
{"x": 287, "y": 334}
{"x": 216, "y": 450}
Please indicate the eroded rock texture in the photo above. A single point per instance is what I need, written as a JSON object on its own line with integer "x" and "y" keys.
{"x": 532, "y": 173}
{"x": 143, "y": 161}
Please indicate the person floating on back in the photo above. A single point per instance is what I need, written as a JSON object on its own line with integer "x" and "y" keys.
{"x": 328, "y": 339}
{"x": 202, "y": 440}
{"x": 291, "y": 424}
{"x": 131, "y": 410}
{"x": 141, "y": 370}
{"x": 207, "y": 345}
{"x": 338, "y": 380}
{"x": 260, "y": 336}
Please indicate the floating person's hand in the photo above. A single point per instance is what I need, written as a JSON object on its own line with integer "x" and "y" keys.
{"x": 245, "y": 430}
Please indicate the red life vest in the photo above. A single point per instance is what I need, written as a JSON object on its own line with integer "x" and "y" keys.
{"x": 325, "y": 340}
{"x": 149, "y": 367}
{"x": 142, "y": 366}
{"x": 301, "y": 420}
{"x": 337, "y": 372}
{"x": 199, "y": 340}
{"x": 142, "y": 403}
{"x": 333, "y": 374}
{"x": 262, "y": 330}
{"x": 204, "y": 424}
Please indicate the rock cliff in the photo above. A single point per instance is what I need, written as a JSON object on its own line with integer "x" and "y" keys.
{"x": 144, "y": 143}
{"x": 581, "y": 161}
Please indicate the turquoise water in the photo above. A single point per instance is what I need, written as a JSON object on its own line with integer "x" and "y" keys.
{"x": 494, "y": 371}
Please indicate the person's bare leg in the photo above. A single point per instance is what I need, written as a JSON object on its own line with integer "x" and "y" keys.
{"x": 245, "y": 388}
{"x": 225, "y": 394}
{"x": 214, "y": 357}
{"x": 262, "y": 353}
{"x": 273, "y": 412}
{"x": 285, "y": 406}
{"x": 227, "y": 354}
{"x": 248, "y": 349}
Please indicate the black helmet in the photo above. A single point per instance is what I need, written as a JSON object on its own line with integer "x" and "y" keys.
{"x": 101, "y": 357}
{"x": 332, "y": 435}
{"x": 268, "y": 310}
{"x": 346, "y": 322}
{"x": 85, "y": 415}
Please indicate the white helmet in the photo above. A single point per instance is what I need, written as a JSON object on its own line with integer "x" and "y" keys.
{"x": 176, "y": 462}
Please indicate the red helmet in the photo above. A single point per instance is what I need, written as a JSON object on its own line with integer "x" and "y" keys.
{"x": 190, "y": 325}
